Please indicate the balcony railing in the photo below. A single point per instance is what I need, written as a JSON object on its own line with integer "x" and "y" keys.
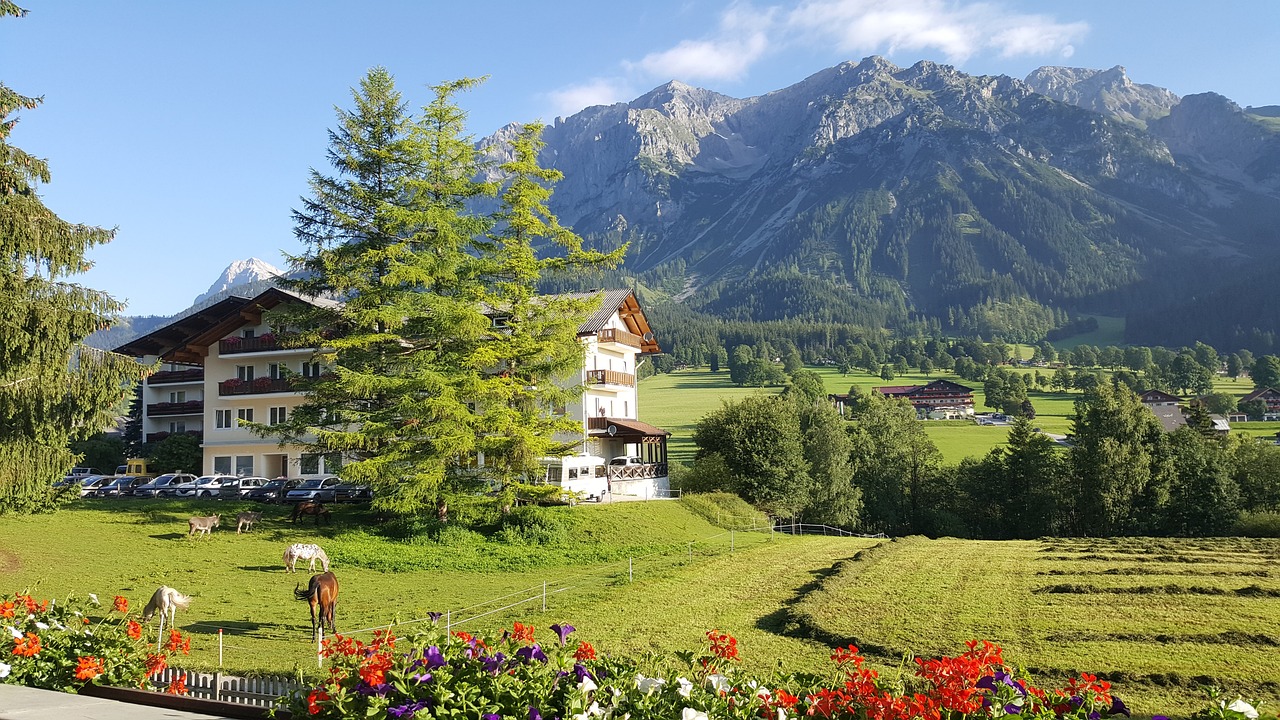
{"x": 254, "y": 387}
{"x": 229, "y": 346}
{"x": 622, "y": 337}
{"x": 165, "y": 377}
{"x": 190, "y": 407}
{"x": 610, "y": 377}
{"x": 637, "y": 472}
{"x": 158, "y": 436}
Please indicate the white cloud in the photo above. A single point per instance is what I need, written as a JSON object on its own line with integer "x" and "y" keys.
{"x": 597, "y": 91}
{"x": 957, "y": 31}
{"x": 741, "y": 39}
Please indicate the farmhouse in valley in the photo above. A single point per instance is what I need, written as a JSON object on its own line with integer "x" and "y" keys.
{"x": 1165, "y": 407}
{"x": 1270, "y": 397}
{"x": 222, "y": 367}
{"x": 939, "y": 399}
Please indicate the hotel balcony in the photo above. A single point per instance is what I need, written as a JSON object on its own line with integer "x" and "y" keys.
{"x": 190, "y": 407}
{"x": 619, "y": 337}
{"x": 260, "y": 386}
{"x": 169, "y": 377}
{"x": 158, "y": 436}
{"x": 231, "y": 346}
{"x": 610, "y": 377}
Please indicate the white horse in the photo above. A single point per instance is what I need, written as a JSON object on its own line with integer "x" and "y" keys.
{"x": 302, "y": 551}
{"x": 166, "y": 601}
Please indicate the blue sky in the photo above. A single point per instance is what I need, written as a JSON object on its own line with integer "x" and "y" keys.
{"x": 191, "y": 126}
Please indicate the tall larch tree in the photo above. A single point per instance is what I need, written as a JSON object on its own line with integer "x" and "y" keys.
{"x": 53, "y": 388}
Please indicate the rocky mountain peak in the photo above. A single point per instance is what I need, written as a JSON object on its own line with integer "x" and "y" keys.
{"x": 1110, "y": 92}
{"x": 248, "y": 272}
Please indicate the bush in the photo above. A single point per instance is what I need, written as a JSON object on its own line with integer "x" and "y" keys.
{"x": 1259, "y": 525}
{"x": 725, "y": 509}
{"x": 532, "y": 525}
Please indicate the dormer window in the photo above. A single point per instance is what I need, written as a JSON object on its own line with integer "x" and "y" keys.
{"x": 248, "y": 334}
{"x": 502, "y": 321}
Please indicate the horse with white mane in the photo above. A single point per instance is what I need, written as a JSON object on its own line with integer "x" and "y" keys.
{"x": 304, "y": 551}
{"x": 166, "y": 601}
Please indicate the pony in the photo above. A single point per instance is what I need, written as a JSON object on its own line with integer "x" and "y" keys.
{"x": 300, "y": 551}
{"x": 321, "y": 591}
{"x": 166, "y": 601}
{"x": 201, "y": 525}
{"x": 311, "y": 508}
{"x": 245, "y": 521}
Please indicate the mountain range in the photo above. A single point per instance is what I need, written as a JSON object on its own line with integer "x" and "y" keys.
{"x": 884, "y": 196}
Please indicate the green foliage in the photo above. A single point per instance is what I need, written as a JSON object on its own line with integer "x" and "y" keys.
{"x": 532, "y": 525}
{"x": 1266, "y": 372}
{"x": 53, "y": 388}
{"x": 760, "y": 442}
{"x": 1258, "y": 525}
{"x": 177, "y": 453}
{"x": 894, "y": 463}
{"x": 726, "y": 510}
{"x": 101, "y": 451}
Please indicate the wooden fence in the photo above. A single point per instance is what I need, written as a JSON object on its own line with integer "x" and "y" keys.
{"x": 256, "y": 692}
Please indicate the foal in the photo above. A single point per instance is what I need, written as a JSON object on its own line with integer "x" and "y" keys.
{"x": 311, "y": 508}
{"x": 322, "y": 591}
{"x": 165, "y": 601}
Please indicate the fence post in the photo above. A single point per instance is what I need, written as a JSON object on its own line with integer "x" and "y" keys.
{"x": 448, "y": 625}
{"x": 217, "y": 678}
{"x": 160, "y": 633}
{"x": 319, "y": 643}
{"x": 544, "y": 596}
{"x": 219, "y": 647}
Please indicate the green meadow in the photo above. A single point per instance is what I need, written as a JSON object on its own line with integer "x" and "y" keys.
{"x": 1157, "y": 617}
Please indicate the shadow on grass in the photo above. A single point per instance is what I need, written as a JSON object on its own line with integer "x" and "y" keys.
{"x": 263, "y": 568}
{"x": 272, "y": 630}
{"x": 781, "y": 621}
{"x": 170, "y": 536}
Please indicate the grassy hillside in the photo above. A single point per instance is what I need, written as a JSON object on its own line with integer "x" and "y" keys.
{"x": 1153, "y": 614}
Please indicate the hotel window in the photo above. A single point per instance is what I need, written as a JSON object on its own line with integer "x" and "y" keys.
{"x": 178, "y": 397}
{"x": 222, "y": 465}
{"x": 279, "y": 415}
{"x": 221, "y": 421}
{"x": 177, "y": 427}
{"x": 273, "y": 371}
{"x": 244, "y": 415}
{"x": 248, "y": 334}
{"x": 311, "y": 369}
{"x": 244, "y": 465}
{"x": 245, "y": 373}
{"x": 309, "y": 464}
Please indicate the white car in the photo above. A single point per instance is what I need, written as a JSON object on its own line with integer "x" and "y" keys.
{"x": 89, "y": 483}
{"x": 205, "y": 486}
{"x": 239, "y": 487}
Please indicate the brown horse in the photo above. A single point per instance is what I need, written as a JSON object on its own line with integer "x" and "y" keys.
{"x": 321, "y": 591}
{"x": 311, "y": 508}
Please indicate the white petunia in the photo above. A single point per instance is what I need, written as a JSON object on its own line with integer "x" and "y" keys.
{"x": 782, "y": 714}
{"x": 4, "y": 670}
{"x": 1244, "y": 708}
{"x": 719, "y": 683}
{"x": 764, "y": 694}
{"x": 94, "y": 599}
{"x": 587, "y": 685}
{"x": 589, "y": 713}
{"x": 41, "y": 625}
{"x": 88, "y": 632}
{"x": 648, "y": 685}
{"x": 685, "y": 688}
{"x": 15, "y": 632}
{"x": 691, "y": 714}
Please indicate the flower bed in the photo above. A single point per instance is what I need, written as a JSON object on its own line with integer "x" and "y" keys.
{"x": 58, "y": 646}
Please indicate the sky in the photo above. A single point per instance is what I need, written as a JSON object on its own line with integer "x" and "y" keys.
{"x": 191, "y": 127}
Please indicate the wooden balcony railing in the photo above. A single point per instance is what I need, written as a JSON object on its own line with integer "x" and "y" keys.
{"x": 190, "y": 407}
{"x": 610, "y": 377}
{"x": 637, "y": 472}
{"x": 229, "y": 346}
{"x": 622, "y": 337}
{"x": 254, "y": 387}
{"x": 158, "y": 436}
{"x": 165, "y": 377}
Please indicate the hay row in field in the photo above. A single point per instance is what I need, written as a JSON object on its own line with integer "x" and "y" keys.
{"x": 1250, "y": 591}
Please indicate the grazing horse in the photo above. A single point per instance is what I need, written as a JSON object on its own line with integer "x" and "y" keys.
{"x": 301, "y": 551}
{"x": 245, "y": 521}
{"x": 322, "y": 591}
{"x": 201, "y": 525}
{"x": 166, "y": 601}
{"x": 311, "y": 508}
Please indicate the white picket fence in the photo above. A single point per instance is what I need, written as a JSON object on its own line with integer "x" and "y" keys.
{"x": 257, "y": 692}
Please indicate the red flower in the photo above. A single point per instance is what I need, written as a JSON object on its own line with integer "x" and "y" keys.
{"x": 178, "y": 686}
{"x": 723, "y": 645}
{"x": 121, "y": 604}
{"x": 155, "y": 663}
{"x": 176, "y": 642}
{"x": 28, "y": 646}
{"x": 32, "y": 606}
{"x": 374, "y": 670}
{"x": 522, "y": 633}
{"x": 316, "y": 697}
{"x": 584, "y": 652}
{"x": 88, "y": 668}
{"x": 6, "y": 609}
{"x": 133, "y": 630}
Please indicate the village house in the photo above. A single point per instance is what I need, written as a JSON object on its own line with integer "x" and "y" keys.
{"x": 1165, "y": 407}
{"x": 940, "y": 399}
{"x": 1270, "y": 397}
{"x": 222, "y": 367}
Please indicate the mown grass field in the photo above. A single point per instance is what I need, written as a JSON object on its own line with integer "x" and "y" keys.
{"x": 676, "y": 401}
{"x": 1153, "y": 614}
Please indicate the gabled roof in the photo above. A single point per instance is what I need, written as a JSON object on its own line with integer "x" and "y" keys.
{"x": 935, "y": 386}
{"x": 1157, "y": 396}
{"x": 946, "y": 385}
{"x": 1261, "y": 393}
{"x": 623, "y": 302}
{"x": 888, "y": 390}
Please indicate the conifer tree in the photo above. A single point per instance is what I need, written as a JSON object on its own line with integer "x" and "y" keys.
{"x": 53, "y": 388}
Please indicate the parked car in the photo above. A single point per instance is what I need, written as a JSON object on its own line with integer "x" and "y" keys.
{"x": 237, "y": 487}
{"x": 350, "y": 493}
{"x": 120, "y": 486}
{"x": 626, "y": 461}
{"x": 83, "y": 472}
{"x": 163, "y": 486}
{"x": 89, "y": 483}
{"x": 274, "y": 491}
{"x": 205, "y": 486}
{"x": 316, "y": 489}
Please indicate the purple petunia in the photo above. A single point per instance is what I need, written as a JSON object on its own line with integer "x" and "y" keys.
{"x": 491, "y": 716}
{"x": 1118, "y": 707}
{"x": 534, "y": 714}
{"x": 581, "y": 672}
{"x": 435, "y": 617}
{"x": 1095, "y": 715}
{"x": 563, "y": 631}
{"x": 1013, "y": 709}
{"x": 421, "y": 678}
{"x": 434, "y": 658}
{"x": 364, "y": 688}
{"x": 493, "y": 664}
{"x": 531, "y": 652}
{"x": 408, "y": 710}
